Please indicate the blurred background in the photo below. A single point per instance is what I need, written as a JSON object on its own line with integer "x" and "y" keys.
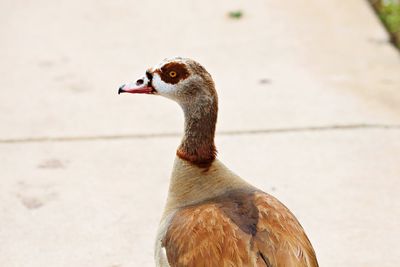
{"x": 389, "y": 13}
{"x": 309, "y": 95}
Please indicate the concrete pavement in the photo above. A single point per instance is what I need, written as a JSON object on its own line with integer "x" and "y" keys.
{"x": 309, "y": 111}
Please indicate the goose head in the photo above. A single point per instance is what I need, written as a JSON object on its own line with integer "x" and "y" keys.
{"x": 191, "y": 86}
{"x": 180, "y": 79}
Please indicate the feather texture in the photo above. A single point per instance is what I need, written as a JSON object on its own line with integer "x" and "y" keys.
{"x": 208, "y": 234}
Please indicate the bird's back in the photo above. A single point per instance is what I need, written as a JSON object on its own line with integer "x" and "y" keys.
{"x": 239, "y": 228}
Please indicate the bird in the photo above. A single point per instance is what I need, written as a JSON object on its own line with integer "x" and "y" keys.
{"x": 212, "y": 216}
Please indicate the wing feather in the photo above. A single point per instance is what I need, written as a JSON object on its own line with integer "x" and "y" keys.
{"x": 280, "y": 236}
{"x": 206, "y": 235}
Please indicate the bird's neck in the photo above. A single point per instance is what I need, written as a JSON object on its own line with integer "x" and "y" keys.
{"x": 197, "y": 144}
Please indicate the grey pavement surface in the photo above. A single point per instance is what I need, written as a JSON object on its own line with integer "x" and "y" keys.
{"x": 309, "y": 112}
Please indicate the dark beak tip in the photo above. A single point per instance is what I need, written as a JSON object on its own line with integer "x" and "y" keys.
{"x": 120, "y": 90}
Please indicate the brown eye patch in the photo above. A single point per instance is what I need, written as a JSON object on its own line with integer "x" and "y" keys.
{"x": 173, "y": 72}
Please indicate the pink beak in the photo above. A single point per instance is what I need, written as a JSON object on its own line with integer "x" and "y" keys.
{"x": 136, "y": 89}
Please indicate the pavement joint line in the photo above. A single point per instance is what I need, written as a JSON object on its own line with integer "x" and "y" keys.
{"x": 221, "y": 133}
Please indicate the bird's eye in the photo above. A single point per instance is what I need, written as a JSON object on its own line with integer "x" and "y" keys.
{"x": 172, "y": 74}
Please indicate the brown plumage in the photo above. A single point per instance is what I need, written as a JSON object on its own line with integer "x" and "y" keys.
{"x": 239, "y": 229}
{"x": 212, "y": 216}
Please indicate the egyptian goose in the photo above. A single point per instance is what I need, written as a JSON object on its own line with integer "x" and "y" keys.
{"x": 213, "y": 217}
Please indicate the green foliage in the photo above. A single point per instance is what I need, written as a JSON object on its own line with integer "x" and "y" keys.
{"x": 237, "y": 14}
{"x": 389, "y": 13}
